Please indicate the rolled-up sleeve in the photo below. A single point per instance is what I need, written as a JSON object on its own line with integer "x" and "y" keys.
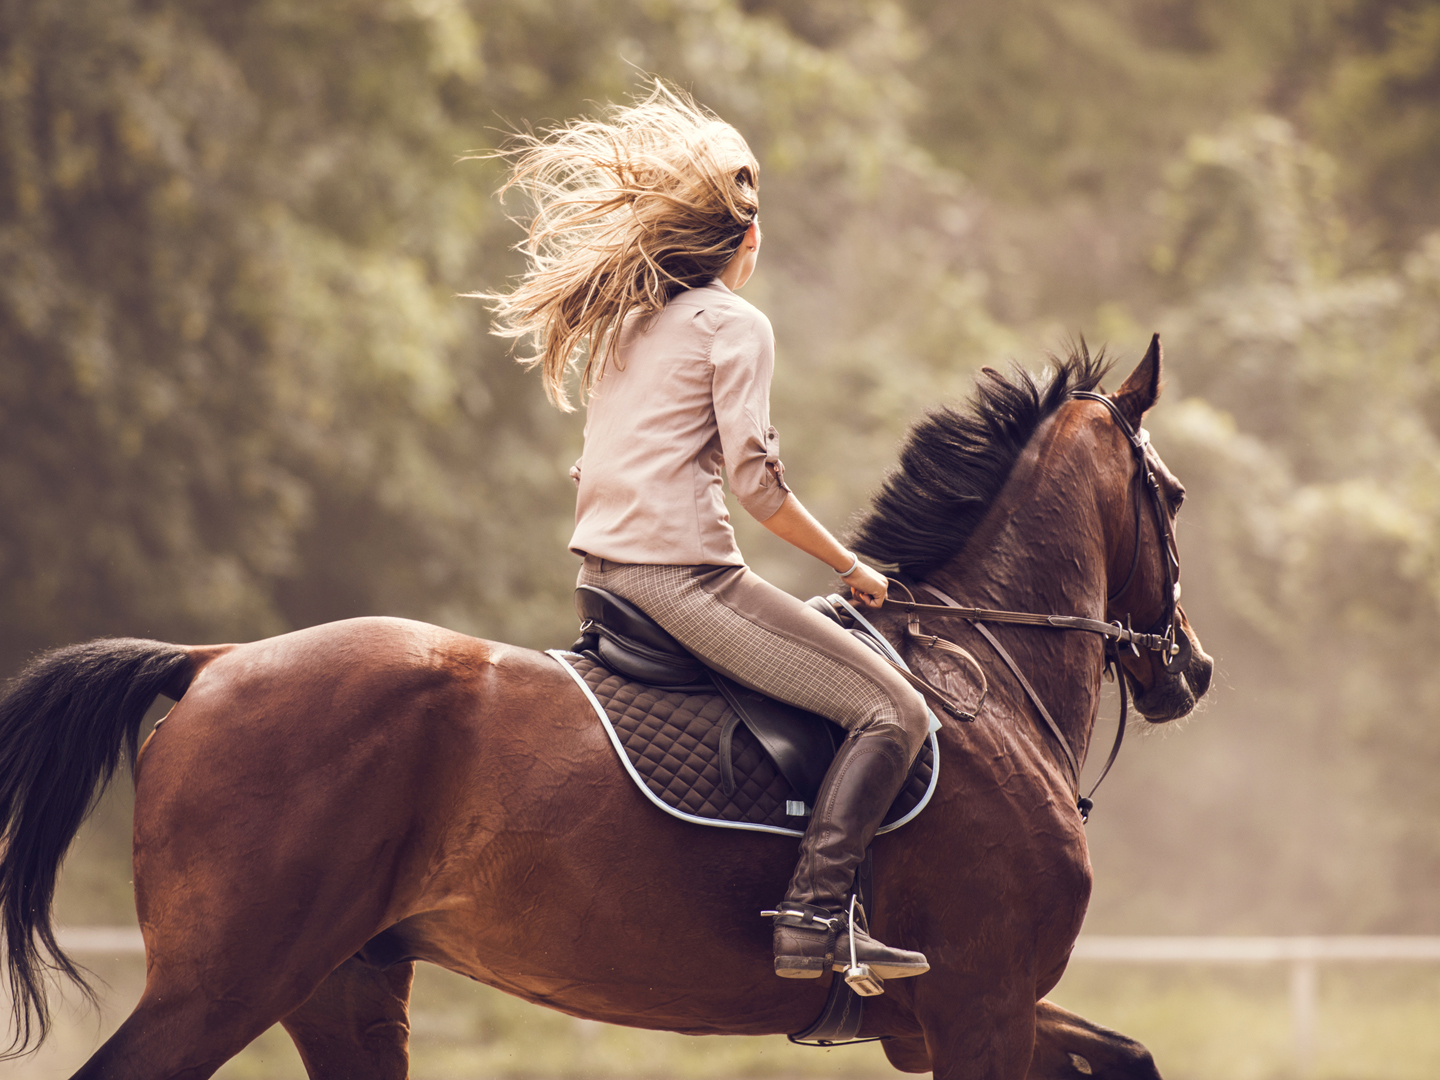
{"x": 742, "y": 355}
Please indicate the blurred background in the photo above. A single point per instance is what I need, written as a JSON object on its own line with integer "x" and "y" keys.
{"x": 240, "y": 394}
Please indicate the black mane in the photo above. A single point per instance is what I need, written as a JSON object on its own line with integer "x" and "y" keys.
{"x": 955, "y": 461}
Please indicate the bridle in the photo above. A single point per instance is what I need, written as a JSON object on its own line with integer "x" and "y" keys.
{"x": 1164, "y": 636}
{"x": 1175, "y": 649}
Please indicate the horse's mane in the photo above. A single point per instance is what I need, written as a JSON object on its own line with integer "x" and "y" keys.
{"x": 955, "y": 461}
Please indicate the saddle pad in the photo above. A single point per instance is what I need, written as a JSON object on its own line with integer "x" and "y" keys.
{"x": 669, "y": 743}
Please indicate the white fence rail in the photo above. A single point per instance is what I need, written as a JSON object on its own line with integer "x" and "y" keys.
{"x": 100, "y": 940}
{"x": 1302, "y": 954}
{"x": 1254, "y": 950}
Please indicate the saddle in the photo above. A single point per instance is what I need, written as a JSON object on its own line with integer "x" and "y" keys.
{"x": 630, "y": 643}
{"x": 702, "y": 745}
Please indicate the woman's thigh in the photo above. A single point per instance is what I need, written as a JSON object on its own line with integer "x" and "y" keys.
{"x": 766, "y": 639}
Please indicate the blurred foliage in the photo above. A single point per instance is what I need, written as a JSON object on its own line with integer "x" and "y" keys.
{"x": 1311, "y": 424}
{"x": 239, "y": 392}
{"x": 234, "y": 369}
{"x": 1377, "y": 112}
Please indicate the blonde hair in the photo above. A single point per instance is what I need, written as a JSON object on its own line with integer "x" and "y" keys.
{"x": 629, "y": 211}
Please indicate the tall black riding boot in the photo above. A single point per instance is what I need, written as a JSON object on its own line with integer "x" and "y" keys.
{"x": 863, "y": 781}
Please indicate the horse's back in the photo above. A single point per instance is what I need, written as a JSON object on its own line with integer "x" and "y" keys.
{"x": 290, "y": 703}
{"x": 369, "y": 656}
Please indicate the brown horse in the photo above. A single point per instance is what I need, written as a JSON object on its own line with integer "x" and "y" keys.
{"x": 319, "y": 810}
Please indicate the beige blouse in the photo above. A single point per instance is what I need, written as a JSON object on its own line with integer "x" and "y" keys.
{"x": 679, "y": 400}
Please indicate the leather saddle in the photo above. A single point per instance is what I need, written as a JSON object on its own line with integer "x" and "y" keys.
{"x": 618, "y": 635}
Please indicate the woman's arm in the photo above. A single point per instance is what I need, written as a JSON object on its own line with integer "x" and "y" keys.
{"x": 794, "y": 524}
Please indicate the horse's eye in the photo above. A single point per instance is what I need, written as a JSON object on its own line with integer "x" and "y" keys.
{"x": 1177, "y": 500}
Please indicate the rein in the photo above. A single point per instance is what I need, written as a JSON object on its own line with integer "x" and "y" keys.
{"x": 952, "y": 609}
{"x": 1160, "y": 643}
{"x": 1164, "y": 637}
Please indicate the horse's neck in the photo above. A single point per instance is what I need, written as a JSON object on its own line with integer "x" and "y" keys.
{"x": 1042, "y": 550}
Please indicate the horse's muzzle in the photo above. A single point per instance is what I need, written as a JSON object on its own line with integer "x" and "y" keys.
{"x": 1171, "y": 696}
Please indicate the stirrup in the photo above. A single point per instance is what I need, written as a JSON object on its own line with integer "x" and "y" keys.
{"x": 858, "y": 976}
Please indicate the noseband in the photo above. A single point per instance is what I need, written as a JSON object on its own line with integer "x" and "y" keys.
{"x": 1164, "y": 637}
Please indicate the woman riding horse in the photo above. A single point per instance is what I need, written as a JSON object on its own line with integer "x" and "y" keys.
{"x": 323, "y": 809}
{"x": 645, "y": 227}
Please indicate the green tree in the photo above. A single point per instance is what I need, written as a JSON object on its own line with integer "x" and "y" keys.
{"x": 1310, "y": 439}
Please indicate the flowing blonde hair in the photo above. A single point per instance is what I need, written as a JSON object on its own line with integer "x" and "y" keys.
{"x": 629, "y": 211}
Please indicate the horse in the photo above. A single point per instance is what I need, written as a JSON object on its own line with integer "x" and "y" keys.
{"x": 322, "y": 809}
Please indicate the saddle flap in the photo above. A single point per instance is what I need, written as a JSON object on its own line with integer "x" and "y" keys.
{"x": 801, "y": 744}
{"x": 619, "y": 636}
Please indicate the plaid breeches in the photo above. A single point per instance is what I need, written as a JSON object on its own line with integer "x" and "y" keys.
{"x": 766, "y": 639}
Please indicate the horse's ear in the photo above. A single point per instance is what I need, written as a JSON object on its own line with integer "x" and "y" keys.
{"x": 1138, "y": 394}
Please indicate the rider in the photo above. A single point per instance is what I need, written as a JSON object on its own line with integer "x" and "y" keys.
{"x": 646, "y": 223}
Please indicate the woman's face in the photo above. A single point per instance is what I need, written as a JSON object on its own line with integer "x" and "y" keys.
{"x": 742, "y": 264}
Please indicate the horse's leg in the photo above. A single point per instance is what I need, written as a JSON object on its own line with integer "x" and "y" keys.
{"x": 356, "y": 1025}
{"x": 1066, "y": 1047}
{"x": 267, "y": 852}
{"x": 992, "y": 1040}
{"x": 224, "y": 965}
{"x": 229, "y": 954}
{"x": 179, "y": 1033}
{"x": 908, "y": 1054}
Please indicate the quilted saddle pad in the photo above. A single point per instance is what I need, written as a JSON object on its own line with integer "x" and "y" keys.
{"x": 669, "y": 743}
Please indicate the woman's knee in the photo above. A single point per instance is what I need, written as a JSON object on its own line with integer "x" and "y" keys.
{"x": 915, "y": 721}
{"x": 905, "y": 718}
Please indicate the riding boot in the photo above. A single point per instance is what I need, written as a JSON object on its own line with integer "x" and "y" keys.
{"x": 812, "y": 932}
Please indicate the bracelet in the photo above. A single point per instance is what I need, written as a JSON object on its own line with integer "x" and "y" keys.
{"x": 853, "y": 566}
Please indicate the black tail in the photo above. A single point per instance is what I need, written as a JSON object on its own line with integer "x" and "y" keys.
{"x": 63, "y": 722}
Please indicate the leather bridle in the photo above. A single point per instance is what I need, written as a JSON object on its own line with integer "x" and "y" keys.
{"x": 1164, "y": 637}
{"x": 1175, "y": 649}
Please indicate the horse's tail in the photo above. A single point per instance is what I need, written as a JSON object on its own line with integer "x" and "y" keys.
{"x": 63, "y": 722}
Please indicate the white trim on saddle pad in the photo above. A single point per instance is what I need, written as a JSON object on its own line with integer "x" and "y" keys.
{"x": 563, "y": 658}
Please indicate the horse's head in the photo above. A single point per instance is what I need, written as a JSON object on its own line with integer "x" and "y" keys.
{"x": 1141, "y": 500}
{"x": 993, "y": 503}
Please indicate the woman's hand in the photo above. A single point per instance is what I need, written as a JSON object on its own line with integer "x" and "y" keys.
{"x": 867, "y": 586}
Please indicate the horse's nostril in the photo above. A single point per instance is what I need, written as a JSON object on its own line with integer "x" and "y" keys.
{"x": 1199, "y": 673}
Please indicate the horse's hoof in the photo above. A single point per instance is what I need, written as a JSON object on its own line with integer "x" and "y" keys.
{"x": 800, "y": 967}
